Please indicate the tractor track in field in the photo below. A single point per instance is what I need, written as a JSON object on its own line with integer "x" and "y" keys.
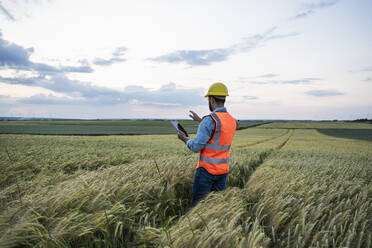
{"x": 287, "y": 140}
{"x": 277, "y": 149}
{"x": 264, "y": 140}
{"x": 244, "y": 172}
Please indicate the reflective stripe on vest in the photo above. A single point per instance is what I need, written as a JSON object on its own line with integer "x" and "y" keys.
{"x": 218, "y": 128}
{"x": 216, "y": 154}
{"x": 214, "y": 160}
{"x": 217, "y": 147}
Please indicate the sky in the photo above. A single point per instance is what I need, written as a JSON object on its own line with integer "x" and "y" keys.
{"x": 291, "y": 59}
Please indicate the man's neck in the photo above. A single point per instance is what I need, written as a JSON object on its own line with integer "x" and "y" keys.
{"x": 220, "y": 106}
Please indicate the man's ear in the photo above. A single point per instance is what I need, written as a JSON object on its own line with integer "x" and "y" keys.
{"x": 211, "y": 100}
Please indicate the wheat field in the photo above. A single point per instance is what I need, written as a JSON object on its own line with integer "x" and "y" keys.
{"x": 287, "y": 187}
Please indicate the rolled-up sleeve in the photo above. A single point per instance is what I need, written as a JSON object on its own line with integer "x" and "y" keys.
{"x": 204, "y": 134}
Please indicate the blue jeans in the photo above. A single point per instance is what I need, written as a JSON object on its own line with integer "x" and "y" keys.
{"x": 204, "y": 183}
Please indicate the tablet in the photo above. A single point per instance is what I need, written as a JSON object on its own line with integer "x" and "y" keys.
{"x": 178, "y": 127}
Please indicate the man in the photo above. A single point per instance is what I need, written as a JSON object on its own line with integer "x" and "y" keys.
{"x": 212, "y": 141}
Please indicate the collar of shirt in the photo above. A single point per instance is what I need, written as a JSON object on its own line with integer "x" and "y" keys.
{"x": 220, "y": 109}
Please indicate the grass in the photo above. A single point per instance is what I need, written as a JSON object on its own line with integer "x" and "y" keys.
{"x": 318, "y": 125}
{"x": 363, "y": 134}
{"x": 101, "y": 127}
{"x": 286, "y": 188}
{"x": 92, "y": 127}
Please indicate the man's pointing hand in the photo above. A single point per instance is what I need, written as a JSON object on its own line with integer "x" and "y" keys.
{"x": 195, "y": 116}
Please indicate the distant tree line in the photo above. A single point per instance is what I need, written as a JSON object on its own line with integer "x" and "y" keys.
{"x": 363, "y": 120}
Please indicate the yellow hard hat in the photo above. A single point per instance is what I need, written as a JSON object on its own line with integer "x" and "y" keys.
{"x": 217, "y": 89}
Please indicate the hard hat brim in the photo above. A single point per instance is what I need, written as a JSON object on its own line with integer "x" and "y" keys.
{"x": 215, "y": 94}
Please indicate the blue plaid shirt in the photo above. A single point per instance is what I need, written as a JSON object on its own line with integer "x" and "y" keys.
{"x": 205, "y": 132}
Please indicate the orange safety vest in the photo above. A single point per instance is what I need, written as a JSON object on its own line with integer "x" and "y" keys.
{"x": 215, "y": 156}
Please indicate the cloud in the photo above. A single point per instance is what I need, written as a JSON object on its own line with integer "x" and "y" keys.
{"x": 209, "y": 56}
{"x": 54, "y": 78}
{"x": 86, "y": 93}
{"x": 17, "y": 57}
{"x": 250, "y": 97}
{"x": 297, "y": 81}
{"x": 14, "y": 55}
{"x": 6, "y": 13}
{"x": 105, "y": 62}
{"x": 120, "y": 51}
{"x": 304, "y": 14}
{"x": 321, "y": 4}
{"x": 48, "y": 100}
{"x": 323, "y": 93}
{"x": 115, "y": 58}
{"x": 195, "y": 57}
{"x": 62, "y": 84}
{"x": 83, "y": 61}
{"x": 22, "y": 81}
{"x": 269, "y": 75}
{"x": 167, "y": 94}
{"x": 81, "y": 69}
{"x": 293, "y": 81}
{"x": 310, "y": 8}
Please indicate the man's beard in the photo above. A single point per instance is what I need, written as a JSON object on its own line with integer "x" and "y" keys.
{"x": 210, "y": 106}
